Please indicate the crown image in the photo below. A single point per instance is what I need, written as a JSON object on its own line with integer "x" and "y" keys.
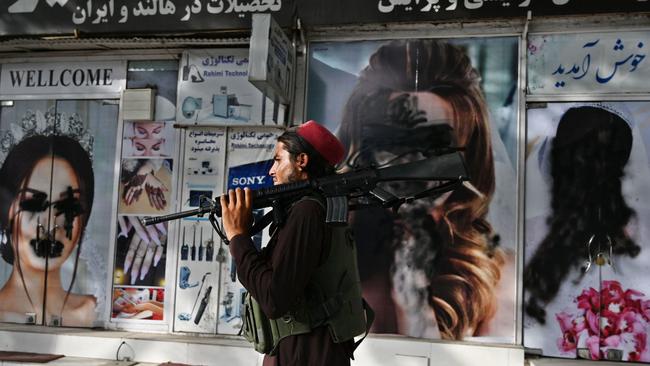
{"x": 48, "y": 124}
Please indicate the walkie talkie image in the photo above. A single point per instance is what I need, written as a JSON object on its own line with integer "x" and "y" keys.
{"x": 201, "y": 245}
{"x": 209, "y": 249}
{"x": 184, "y": 247}
{"x": 204, "y": 304}
{"x": 193, "y": 247}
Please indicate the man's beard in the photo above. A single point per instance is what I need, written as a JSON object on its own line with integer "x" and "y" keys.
{"x": 294, "y": 176}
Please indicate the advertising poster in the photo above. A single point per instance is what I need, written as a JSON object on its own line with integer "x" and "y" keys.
{"x": 586, "y": 292}
{"x": 148, "y": 139}
{"x": 214, "y": 89}
{"x": 250, "y": 154}
{"x": 443, "y": 267}
{"x": 138, "y": 303}
{"x": 54, "y": 174}
{"x": 145, "y": 186}
{"x": 140, "y": 256}
{"x": 200, "y": 249}
{"x": 146, "y": 189}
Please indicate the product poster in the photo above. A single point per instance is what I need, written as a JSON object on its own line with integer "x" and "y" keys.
{"x": 250, "y": 154}
{"x": 214, "y": 89}
{"x": 146, "y": 189}
{"x": 200, "y": 256}
{"x": 140, "y": 256}
{"x": 54, "y": 175}
{"x": 586, "y": 292}
{"x": 148, "y": 139}
{"x": 444, "y": 267}
{"x": 145, "y": 186}
{"x": 200, "y": 249}
{"x": 138, "y": 303}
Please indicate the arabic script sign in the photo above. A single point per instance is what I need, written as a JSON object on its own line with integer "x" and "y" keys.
{"x": 23, "y": 17}
{"x": 589, "y": 63}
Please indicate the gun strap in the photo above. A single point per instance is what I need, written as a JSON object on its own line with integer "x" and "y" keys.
{"x": 259, "y": 225}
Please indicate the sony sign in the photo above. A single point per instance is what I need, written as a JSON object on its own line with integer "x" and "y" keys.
{"x": 92, "y": 77}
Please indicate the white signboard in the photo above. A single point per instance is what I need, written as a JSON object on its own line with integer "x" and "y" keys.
{"x": 588, "y": 63}
{"x": 214, "y": 89}
{"x": 90, "y": 77}
{"x": 271, "y": 58}
{"x": 201, "y": 252}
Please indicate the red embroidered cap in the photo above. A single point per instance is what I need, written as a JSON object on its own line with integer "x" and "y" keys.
{"x": 322, "y": 140}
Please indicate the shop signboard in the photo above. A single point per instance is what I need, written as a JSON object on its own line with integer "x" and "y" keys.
{"x": 588, "y": 63}
{"x": 30, "y": 17}
{"x": 89, "y": 77}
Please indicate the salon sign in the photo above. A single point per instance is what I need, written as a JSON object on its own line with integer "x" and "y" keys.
{"x": 615, "y": 62}
{"x": 90, "y": 77}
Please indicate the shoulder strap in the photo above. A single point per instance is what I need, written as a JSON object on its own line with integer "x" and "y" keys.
{"x": 370, "y": 317}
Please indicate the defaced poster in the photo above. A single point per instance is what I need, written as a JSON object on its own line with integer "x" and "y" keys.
{"x": 54, "y": 236}
{"x": 586, "y": 292}
{"x": 443, "y": 267}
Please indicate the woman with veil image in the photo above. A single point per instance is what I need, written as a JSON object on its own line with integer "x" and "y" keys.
{"x": 46, "y": 196}
{"x": 581, "y": 283}
{"x": 432, "y": 269}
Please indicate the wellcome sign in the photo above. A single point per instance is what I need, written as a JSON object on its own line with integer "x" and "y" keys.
{"x": 91, "y": 77}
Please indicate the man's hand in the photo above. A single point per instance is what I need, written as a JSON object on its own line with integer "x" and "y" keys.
{"x": 237, "y": 212}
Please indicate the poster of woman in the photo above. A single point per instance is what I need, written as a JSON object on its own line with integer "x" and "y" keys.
{"x": 52, "y": 243}
{"x": 587, "y": 178}
{"x": 440, "y": 267}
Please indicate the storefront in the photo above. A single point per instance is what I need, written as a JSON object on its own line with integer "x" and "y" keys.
{"x": 544, "y": 254}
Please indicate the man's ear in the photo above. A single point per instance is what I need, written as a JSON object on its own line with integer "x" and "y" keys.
{"x": 302, "y": 160}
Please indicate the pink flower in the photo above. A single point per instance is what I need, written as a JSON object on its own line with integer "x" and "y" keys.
{"x": 593, "y": 343}
{"x": 612, "y": 318}
{"x": 589, "y": 300}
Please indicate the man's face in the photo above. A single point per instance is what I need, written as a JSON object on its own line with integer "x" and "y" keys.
{"x": 35, "y": 206}
{"x": 284, "y": 170}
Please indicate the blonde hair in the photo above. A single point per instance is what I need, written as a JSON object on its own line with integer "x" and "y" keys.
{"x": 462, "y": 287}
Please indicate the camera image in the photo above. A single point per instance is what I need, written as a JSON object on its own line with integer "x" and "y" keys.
{"x": 203, "y": 168}
{"x": 195, "y": 196}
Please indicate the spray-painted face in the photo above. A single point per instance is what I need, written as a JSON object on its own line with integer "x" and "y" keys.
{"x": 43, "y": 225}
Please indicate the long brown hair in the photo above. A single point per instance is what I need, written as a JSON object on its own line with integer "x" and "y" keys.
{"x": 461, "y": 289}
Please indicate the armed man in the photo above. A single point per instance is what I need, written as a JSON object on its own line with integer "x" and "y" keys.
{"x": 305, "y": 305}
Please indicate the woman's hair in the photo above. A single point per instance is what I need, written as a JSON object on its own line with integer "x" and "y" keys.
{"x": 16, "y": 172}
{"x": 466, "y": 267}
{"x": 295, "y": 145}
{"x": 588, "y": 155}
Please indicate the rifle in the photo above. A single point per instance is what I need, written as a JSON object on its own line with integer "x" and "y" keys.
{"x": 343, "y": 192}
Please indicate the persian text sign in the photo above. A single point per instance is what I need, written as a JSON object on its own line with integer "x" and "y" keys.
{"x": 28, "y": 17}
{"x": 588, "y": 63}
